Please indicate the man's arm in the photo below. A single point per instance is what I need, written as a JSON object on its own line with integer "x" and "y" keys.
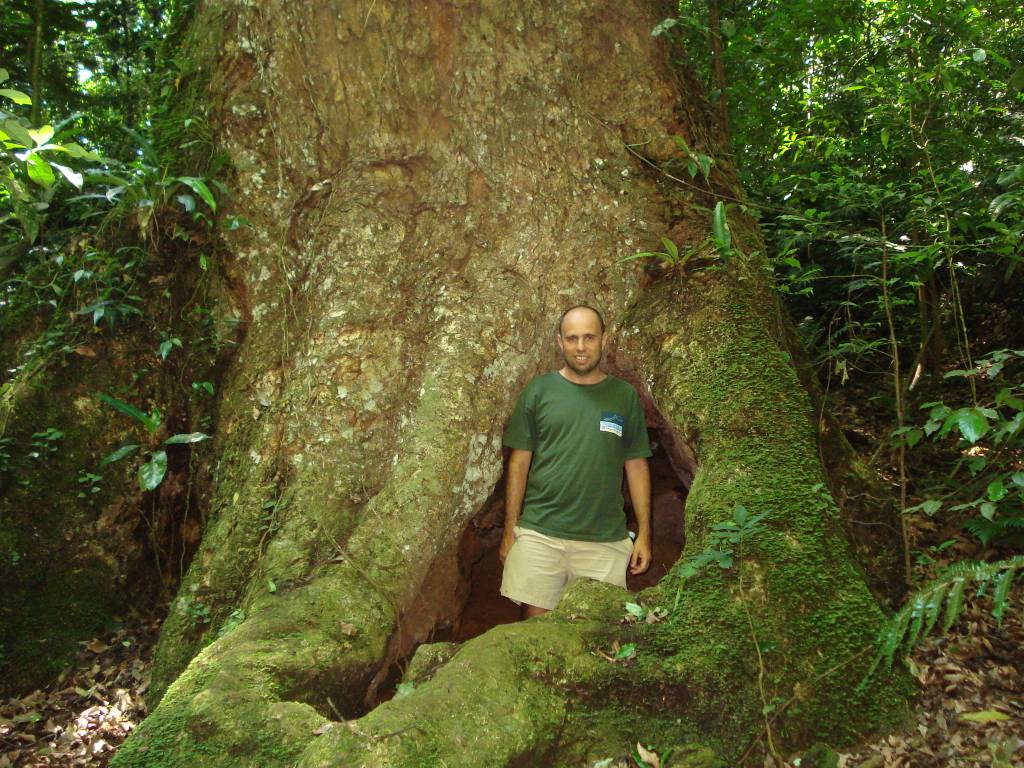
{"x": 515, "y": 489}
{"x": 638, "y": 477}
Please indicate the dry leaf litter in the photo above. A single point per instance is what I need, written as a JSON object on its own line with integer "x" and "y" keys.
{"x": 83, "y": 717}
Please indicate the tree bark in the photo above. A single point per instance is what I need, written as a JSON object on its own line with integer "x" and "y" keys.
{"x": 36, "y": 68}
{"x": 429, "y": 186}
{"x": 718, "y": 67}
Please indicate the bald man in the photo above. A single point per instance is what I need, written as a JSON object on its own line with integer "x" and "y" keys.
{"x": 572, "y": 433}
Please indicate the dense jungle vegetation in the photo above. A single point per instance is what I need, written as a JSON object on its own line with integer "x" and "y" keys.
{"x": 880, "y": 146}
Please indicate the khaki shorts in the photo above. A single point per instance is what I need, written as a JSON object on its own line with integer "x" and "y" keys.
{"x": 538, "y": 566}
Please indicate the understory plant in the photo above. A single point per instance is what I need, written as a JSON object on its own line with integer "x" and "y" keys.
{"x": 984, "y": 487}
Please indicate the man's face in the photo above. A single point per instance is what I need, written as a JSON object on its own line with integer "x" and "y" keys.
{"x": 581, "y": 341}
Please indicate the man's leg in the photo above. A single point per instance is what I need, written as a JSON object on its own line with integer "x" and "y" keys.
{"x": 535, "y": 572}
{"x": 600, "y": 560}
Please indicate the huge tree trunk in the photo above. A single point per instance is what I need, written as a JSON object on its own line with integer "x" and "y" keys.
{"x": 429, "y": 185}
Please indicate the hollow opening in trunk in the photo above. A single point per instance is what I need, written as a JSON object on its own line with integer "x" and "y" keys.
{"x": 461, "y": 598}
{"x": 481, "y": 568}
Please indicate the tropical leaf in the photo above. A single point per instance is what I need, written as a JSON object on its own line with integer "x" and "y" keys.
{"x": 185, "y": 438}
{"x": 119, "y": 454}
{"x": 149, "y": 422}
{"x": 199, "y": 187}
{"x": 933, "y": 608}
{"x": 972, "y": 422}
{"x": 1003, "y": 582}
{"x": 720, "y": 231}
{"x": 18, "y": 97}
{"x": 151, "y": 474}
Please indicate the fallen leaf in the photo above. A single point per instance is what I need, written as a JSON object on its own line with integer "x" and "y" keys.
{"x": 348, "y": 629}
{"x": 649, "y": 758}
{"x": 986, "y": 716}
{"x": 627, "y": 651}
{"x": 656, "y": 615}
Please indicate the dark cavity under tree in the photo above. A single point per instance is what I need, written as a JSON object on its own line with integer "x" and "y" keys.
{"x": 429, "y": 185}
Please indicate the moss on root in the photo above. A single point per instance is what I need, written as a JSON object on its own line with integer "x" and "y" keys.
{"x": 723, "y": 379}
{"x": 279, "y": 672}
{"x": 540, "y": 690}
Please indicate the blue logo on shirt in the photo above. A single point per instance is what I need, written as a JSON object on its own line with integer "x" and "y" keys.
{"x": 612, "y": 422}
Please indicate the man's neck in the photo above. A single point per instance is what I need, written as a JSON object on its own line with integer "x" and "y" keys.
{"x": 595, "y": 376}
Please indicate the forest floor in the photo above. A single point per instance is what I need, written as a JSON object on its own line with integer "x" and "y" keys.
{"x": 85, "y": 714}
{"x": 970, "y": 712}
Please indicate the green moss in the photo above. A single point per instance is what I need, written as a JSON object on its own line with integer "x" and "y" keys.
{"x": 730, "y": 387}
{"x": 595, "y": 734}
{"x": 819, "y": 756}
{"x": 57, "y": 569}
{"x": 501, "y": 696}
{"x": 219, "y": 728}
{"x": 44, "y": 626}
{"x": 427, "y": 659}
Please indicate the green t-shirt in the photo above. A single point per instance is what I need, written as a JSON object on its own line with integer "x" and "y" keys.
{"x": 580, "y": 435}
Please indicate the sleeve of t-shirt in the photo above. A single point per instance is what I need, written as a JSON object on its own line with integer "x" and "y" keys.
{"x": 636, "y": 428}
{"x": 521, "y": 432}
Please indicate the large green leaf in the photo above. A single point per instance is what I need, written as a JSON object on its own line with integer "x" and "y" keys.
{"x": 185, "y": 438}
{"x": 41, "y": 135}
{"x": 18, "y": 97}
{"x": 119, "y": 454}
{"x": 17, "y": 131}
{"x": 73, "y": 176}
{"x": 149, "y": 422}
{"x": 77, "y": 150}
{"x": 199, "y": 187}
{"x": 720, "y": 231}
{"x": 40, "y": 171}
{"x": 151, "y": 474}
{"x": 973, "y": 423}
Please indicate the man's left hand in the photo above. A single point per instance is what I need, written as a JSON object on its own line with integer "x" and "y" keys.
{"x": 640, "y": 560}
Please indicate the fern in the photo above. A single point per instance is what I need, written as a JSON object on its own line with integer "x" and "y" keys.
{"x": 954, "y": 603}
{"x": 919, "y": 615}
{"x": 1003, "y": 527}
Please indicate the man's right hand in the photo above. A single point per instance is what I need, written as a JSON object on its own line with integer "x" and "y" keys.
{"x": 506, "y": 544}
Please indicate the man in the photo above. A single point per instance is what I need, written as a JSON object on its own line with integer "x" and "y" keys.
{"x": 571, "y": 434}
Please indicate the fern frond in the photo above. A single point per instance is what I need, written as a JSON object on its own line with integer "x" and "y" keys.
{"x": 933, "y": 608}
{"x": 919, "y": 615}
{"x": 999, "y": 599}
{"x": 954, "y": 603}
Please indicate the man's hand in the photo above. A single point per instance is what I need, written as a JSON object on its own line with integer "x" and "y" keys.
{"x": 638, "y": 478}
{"x": 507, "y": 540}
{"x": 640, "y": 560}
